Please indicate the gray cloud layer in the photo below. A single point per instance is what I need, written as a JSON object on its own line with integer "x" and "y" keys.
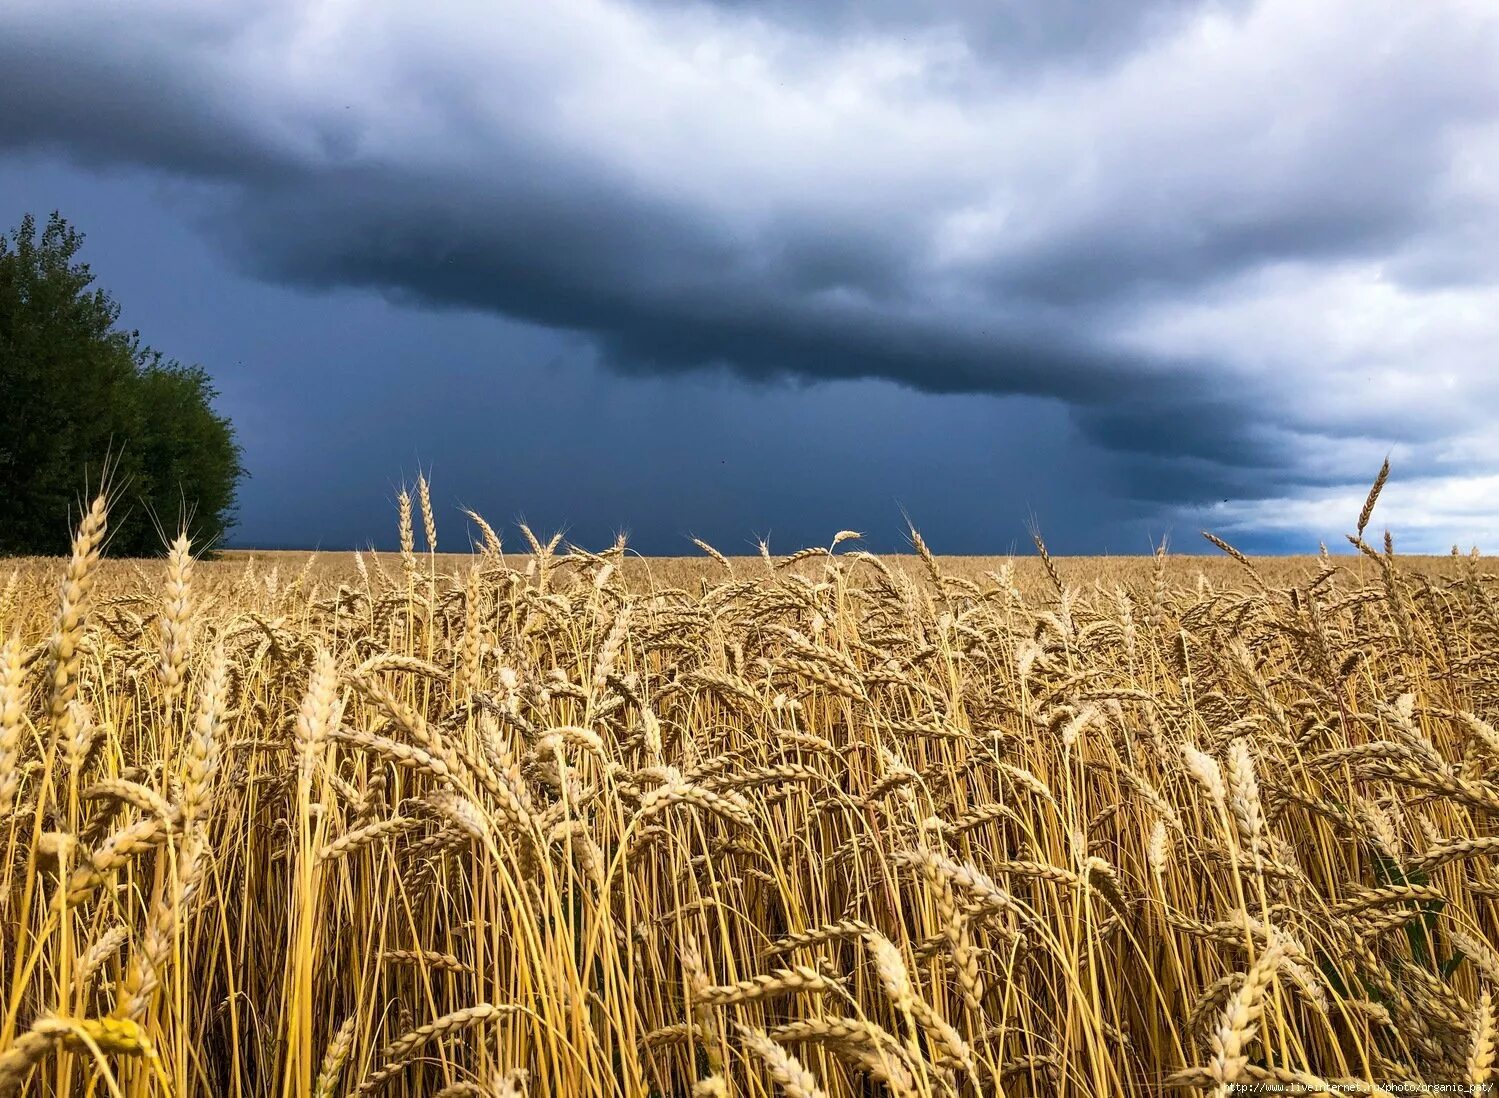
{"x": 1242, "y": 242}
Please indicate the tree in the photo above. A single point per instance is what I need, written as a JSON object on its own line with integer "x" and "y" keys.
{"x": 79, "y": 398}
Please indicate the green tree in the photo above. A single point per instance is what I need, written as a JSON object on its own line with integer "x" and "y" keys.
{"x": 80, "y": 397}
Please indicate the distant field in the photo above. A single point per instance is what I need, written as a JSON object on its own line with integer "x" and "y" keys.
{"x": 689, "y": 571}
{"x": 694, "y": 572}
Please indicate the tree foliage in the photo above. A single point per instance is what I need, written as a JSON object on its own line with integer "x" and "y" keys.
{"x": 81, "y": 399}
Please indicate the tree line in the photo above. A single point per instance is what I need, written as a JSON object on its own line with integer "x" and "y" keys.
{"x": 82, "y": 401}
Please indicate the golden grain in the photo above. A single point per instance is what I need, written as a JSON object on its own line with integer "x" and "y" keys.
{"x": 589, "y": 824}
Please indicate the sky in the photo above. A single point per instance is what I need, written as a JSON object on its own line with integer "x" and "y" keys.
{"x": 734, "y": 269}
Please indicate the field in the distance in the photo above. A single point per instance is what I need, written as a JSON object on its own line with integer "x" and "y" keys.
{"x": 1028, "y": 571}
{"x": 563, "y": 823}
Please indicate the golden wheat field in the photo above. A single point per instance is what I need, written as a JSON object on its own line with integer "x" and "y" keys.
{"x": 554, "y": 822}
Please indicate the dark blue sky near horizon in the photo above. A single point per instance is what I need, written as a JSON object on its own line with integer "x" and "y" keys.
{"x": 734, "y": 269}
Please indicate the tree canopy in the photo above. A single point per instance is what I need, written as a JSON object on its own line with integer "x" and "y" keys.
{"x": 81, "y": 398}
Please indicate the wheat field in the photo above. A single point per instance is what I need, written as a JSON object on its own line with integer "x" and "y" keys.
{"x": 554, "y": 822}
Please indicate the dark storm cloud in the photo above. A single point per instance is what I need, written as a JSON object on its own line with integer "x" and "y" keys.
{"x": 661, "y": 294}
{"x": 661, "y": 290}
{"x": 1118, "y": 206}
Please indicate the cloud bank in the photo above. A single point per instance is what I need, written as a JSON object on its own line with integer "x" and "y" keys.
{"x": 1248, "y": 245}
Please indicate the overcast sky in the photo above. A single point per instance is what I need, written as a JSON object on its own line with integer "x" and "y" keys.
{"x": 727, "y": 268}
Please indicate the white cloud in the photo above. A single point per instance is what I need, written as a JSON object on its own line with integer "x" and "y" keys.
{"x": 1425, "y": 514}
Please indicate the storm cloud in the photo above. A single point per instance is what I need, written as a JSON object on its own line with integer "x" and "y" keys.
{"x": 1247, "y": 246}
